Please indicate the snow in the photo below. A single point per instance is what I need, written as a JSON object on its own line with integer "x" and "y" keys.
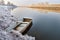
{"x": 6, "y": 20}
{"x": 14, "y": 36}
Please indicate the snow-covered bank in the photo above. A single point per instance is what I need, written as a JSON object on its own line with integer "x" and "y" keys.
{"x": 14, "y": 36}
{"x": 8, "y": 20}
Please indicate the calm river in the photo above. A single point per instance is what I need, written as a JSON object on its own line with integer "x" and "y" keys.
{"x": 46, "y": 25}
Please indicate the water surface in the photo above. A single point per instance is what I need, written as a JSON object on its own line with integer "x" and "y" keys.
{"x": 46, "y": 25}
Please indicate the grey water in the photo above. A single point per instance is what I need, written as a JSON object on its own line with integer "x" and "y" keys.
{"x": 46, "y": 25}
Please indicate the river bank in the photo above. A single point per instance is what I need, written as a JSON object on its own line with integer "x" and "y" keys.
{"x": 47, "y": 7}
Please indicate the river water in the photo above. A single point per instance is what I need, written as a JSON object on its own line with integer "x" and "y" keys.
{"x": 46, "y": 25}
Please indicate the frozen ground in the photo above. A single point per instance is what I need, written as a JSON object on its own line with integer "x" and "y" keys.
{"x": 6, "y": 20}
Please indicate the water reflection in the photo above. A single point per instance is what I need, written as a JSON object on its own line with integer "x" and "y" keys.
{"x": 11, "y": 7}
{"x": 45, "y": 10}
{"x": 46, "y": 26}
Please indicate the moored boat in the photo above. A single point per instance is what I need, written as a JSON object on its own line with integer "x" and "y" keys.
{"x": 24, "y": 26}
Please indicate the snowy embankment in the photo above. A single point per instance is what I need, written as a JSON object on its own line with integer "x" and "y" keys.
{"x": 6, "y": 20}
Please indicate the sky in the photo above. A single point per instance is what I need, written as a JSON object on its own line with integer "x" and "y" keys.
{"x": 28, "y": 2}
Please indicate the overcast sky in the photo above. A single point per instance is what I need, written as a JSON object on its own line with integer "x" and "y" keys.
{"x": 27, "y": 2}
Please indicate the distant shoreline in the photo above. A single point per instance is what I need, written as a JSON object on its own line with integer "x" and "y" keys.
{"x": 49, "y": 8}
{"x": 54, "y": 9}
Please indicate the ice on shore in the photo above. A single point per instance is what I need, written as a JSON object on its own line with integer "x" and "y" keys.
{"x": 5, "y": 20}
